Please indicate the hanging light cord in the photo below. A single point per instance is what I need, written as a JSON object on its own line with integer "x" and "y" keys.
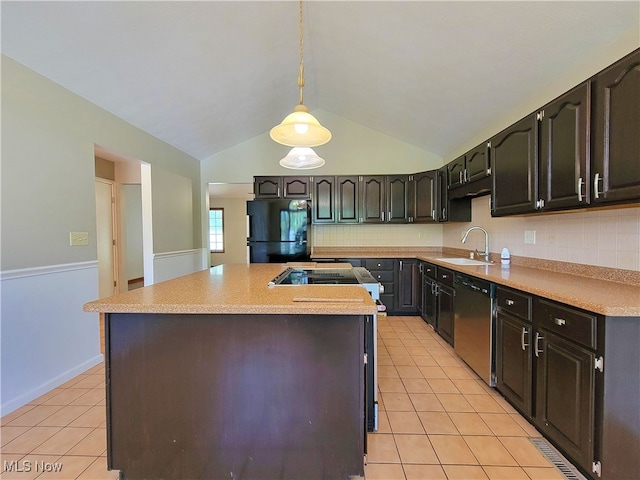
{"x": 301, "y": 73}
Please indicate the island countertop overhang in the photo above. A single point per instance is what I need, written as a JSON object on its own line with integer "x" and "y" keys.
{"x": 238, "y": 289}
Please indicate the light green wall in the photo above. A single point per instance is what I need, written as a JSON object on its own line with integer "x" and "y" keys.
{"x": 354, "y": 149}
{"x": 48, "y": 139}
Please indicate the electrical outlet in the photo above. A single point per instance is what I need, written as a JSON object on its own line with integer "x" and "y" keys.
{"x": 78, "y": 239}
{"x": 530, "y": 237}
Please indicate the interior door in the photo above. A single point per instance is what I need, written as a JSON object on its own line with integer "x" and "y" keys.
{"x": 105, "y": 237}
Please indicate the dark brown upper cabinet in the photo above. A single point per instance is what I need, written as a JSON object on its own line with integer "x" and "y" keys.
{"x": 615, "y": 173}
{"x": 470, "y": 167}
{"x": 323, "y": 202}
{"x": 267, "y": 187}
{"x": 424, "y": 201}
{"x": 455, "y": 172}
{"x": 373, "y": 200}
{"x": 514, "y": 154}
{"x": 398, "y": 195}
{"x": 296, "y": 187}
{"x": 348, "y": 199}
{"x": 282, "y": 187}
{"x": 564, "y": 151}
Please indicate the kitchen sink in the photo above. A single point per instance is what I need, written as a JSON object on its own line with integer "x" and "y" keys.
{"x": 464, "y": 261}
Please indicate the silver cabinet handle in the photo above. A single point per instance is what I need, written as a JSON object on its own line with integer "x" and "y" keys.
{"x": 433, "y": 214}
{"x": 559, "y": 321}
{"x": 580, "y": 185}
{"x": 522, "y": 344}
{"x": 510, "y": 302}
{"x": 537, "y": 350}
{"x": 460, "y": 176}
{"x": 401, "y": 265}
{"x": 445, "y": 276}
{"x": 466, "y": 178}
{"x": 596, "y": 180}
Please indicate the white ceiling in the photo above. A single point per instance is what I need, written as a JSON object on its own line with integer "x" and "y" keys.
{"x": 206, "y": 75}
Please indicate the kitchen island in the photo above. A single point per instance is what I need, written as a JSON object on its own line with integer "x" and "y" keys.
{"x": 217, "y": 375}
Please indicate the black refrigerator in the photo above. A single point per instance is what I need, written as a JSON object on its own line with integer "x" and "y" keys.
{"x": 278, "y": 231}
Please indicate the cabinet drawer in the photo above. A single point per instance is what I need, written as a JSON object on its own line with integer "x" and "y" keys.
{"x": 430, "y": 271}
{"x": 383, "y": 276}
{"x": 516, "y": 303}
{"x": 575, "y": 325}
{"x": 445, "y": 276}
{"x": 379, "y": 264}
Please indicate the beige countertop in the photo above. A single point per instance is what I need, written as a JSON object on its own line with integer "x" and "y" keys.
{"x": 592, "y": 294}
{"x": 238, "y": 289}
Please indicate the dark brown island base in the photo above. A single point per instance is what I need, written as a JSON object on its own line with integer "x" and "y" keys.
{"x": 215, "y": 375}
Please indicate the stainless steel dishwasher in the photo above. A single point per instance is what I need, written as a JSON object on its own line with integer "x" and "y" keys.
{"x": 474, "y": 329}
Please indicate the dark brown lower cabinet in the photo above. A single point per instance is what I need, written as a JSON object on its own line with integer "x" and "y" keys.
{"x": 429, "y": 302}
{"x": 445, "y": 312}
{"x": 235, "y": 396}
{"x": 575, "y": 375}
{"x": 565, "y": 389}
{"x": 408, "y": 290}
{"x": 513, "y": 360}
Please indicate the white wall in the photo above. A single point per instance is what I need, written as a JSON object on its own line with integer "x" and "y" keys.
{"x": 131, "y": 216}
{"x": 48, "y": 139}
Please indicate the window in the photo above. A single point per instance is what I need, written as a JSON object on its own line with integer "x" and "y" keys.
{"x": 216, "y": 230}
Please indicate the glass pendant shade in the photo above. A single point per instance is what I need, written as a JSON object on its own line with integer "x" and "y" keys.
{"x": 302, "y": 158}
{"x": 300, "y": 129}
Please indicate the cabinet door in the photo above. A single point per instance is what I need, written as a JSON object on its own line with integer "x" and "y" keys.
{"x": 429, "y": 302}
{"x": 373, "y": 199}
{"x": 565, "y": 395}
{"x": 477, "y": 164}
{"x": 267, "y": 187}
{"x": 442, "y": 191}
{"x": 323, "y": 200}
{"x": 445, "y": 313}
{"x": 514, "y": 155}
{"x": 616, "y": 142}
{"x": 564, "y": 137}
{"x": 513, "y": 361}
{"x": 398, "y": 189}
{"x": 424, "y": 197}
{"x": 348, "y": 200}
{"x": 455, "y": 171}
{"x": 296, "y": 187}
{"x": 408, "y": 286}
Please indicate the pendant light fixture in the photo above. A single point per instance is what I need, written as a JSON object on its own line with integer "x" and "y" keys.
{"x": 300, "y": 128}
{"x": 302, "y": 158}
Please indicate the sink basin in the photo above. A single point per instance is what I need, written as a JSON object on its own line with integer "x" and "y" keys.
{"x": 464, "y": 261}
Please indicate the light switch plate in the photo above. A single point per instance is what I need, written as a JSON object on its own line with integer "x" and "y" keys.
{"x": 78, "y": 239}
{"x": 530, "y": 236}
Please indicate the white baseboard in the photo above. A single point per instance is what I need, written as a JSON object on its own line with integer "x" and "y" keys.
{"x": 26, "y": 397}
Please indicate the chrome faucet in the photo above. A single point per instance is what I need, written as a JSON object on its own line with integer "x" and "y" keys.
{"x": 485, "y": 254}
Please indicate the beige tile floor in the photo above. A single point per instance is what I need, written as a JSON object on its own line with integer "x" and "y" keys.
{"x": 438, "y": 420}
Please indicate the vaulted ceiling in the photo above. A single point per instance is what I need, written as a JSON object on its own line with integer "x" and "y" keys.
{"x": 206, "y": 75}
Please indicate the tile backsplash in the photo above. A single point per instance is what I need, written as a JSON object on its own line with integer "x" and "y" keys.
{"x": 372, "y": 235}
{"x": 607, "y": 238}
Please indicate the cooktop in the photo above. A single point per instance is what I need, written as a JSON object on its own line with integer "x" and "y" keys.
{"x": 320, "y": 276}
